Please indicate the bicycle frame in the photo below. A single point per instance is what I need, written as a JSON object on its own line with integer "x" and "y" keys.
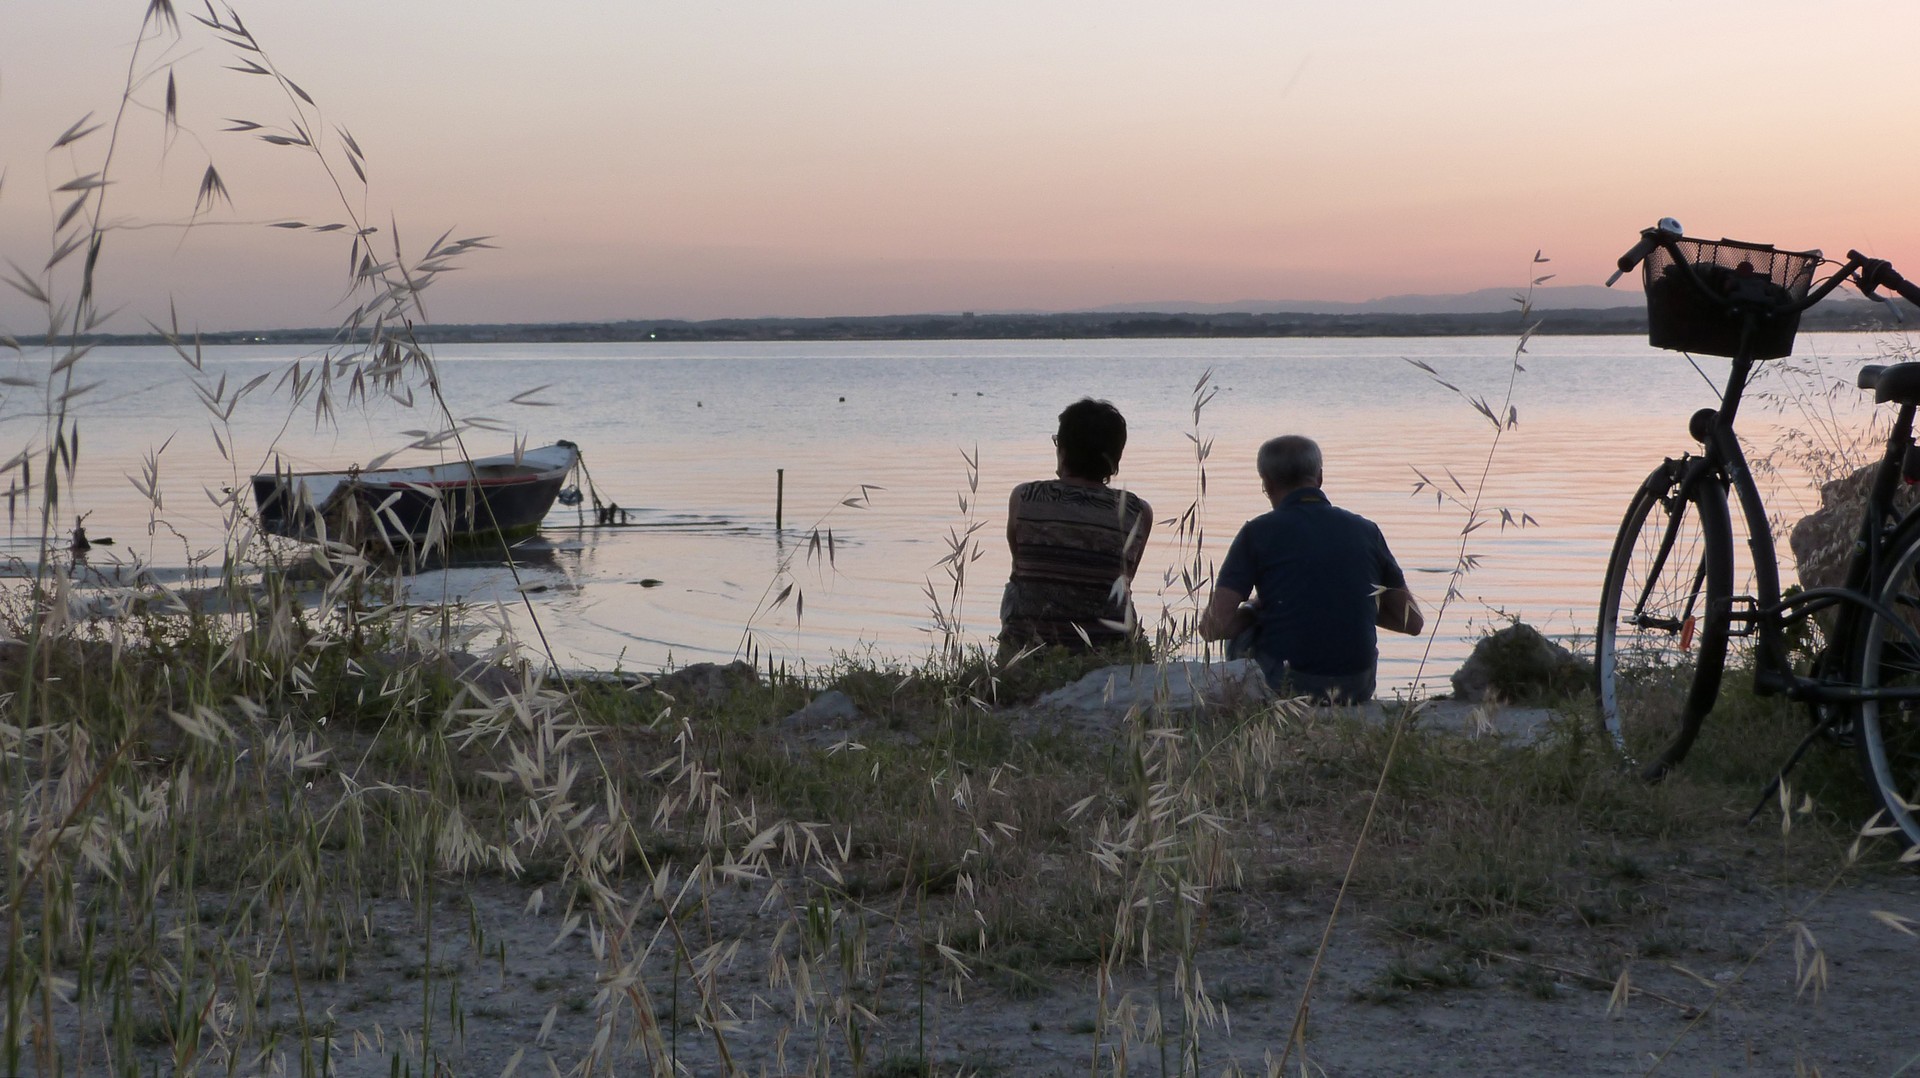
{"x": 1673, "y": 557}
{"x": 1767, "y": 615}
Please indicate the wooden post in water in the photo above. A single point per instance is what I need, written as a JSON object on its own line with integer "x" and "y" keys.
{"x": 779, "y": 497}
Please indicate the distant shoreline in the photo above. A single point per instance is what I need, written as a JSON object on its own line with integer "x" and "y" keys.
{"x": 1102, "y": 325}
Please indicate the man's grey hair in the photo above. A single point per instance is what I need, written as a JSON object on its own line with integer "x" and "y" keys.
{"x": 1289, "y": 461}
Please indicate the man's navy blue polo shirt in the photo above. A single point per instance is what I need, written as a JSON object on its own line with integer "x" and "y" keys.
{"x": 1316, "y": 569}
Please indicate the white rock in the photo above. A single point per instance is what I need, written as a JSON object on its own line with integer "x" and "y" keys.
{"x": 1179, "y": 686}
{"x": 832, "y": 708}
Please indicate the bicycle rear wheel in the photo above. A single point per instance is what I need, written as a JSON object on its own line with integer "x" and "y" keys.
{"x": 1887, "y": 732}
{"x": 1661, "y": 642}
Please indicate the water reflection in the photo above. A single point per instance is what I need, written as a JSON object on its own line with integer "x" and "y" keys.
{"x": 690, "y": 440}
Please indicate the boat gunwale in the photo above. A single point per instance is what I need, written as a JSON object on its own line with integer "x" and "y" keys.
{"x": 454, "y": 484}
{"x": 374, "y": 478}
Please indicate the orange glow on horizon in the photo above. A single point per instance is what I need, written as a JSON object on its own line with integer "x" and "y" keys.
{"x": 862, "y": 158}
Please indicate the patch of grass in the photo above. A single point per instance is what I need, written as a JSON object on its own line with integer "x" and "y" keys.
{"x": 902, "y": 1066}
{"x": 1021, "y": 971}
{"x": 374, "y": 993}
{"x": 1058, "y": 925}
{"x": 1534, "y": 981}
{"x": 442, "y": 971}
{"x": 1411, "y": 971}
{"x": 1664, "y": 942}
{"x": 152, "y": 1032}
{"x": 1235, "y": 992}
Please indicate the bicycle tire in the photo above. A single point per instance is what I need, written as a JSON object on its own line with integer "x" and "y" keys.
{"x": 1660, "y": 645}
{"x": 1887, "y": 733}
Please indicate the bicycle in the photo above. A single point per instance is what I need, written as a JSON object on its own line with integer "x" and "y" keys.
{"x": 1667, "y": 608}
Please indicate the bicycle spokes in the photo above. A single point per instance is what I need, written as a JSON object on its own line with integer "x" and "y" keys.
{"x": 1682, "y": 621}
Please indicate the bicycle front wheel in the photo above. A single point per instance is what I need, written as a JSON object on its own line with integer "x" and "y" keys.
{"x": 1887, "y": 732}
{"x": 1661, "y": 642}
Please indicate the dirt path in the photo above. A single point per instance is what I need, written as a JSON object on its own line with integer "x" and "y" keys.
{"x": 1722, "y": 980}
{"x": 1541, "y": 1008}
{"x": 1727, "y": 971}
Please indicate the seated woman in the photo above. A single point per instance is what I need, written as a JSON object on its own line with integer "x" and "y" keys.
{"x": 1076, "y": 541}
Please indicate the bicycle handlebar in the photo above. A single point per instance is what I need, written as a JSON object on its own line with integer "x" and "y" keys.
{"x": 1883, "y": 274}
{"x": 1649, "y": 239}
{"x": 1868, "y": 274}
{"x": 1875, "y": 273}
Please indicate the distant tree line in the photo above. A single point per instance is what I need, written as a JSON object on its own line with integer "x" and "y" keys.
{"x": 1146, "y": 324}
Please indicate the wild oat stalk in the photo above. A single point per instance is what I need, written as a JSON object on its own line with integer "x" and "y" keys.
{"x": 244, "y": 777}
{"x": 1168, "y": 858}
{"x": 948, "y": 606}
{"x": 1192, "y": 569}
{"x": 820, "y": 549}
{"x": 48, "y": 814}
{"x": 1823, "y": 440}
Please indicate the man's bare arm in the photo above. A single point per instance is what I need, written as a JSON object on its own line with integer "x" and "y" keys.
{"x": 1224, "y": 618}
{"x": 1400, "y": 612}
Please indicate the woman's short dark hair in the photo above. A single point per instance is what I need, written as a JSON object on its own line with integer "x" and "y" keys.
{"x": 1092, "y": 436}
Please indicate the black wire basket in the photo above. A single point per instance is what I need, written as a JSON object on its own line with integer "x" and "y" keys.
{"x": 1752, "y": 276}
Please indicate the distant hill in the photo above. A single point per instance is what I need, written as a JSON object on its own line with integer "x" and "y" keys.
{"x": 1574, "y": 297}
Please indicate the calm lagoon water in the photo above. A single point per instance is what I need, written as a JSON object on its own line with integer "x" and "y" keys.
{"x": 689, "y": 437}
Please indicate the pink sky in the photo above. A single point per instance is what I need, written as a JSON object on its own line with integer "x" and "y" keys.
{"x": 846, "y": 158}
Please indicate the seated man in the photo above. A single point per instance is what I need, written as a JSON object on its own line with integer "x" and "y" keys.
{"x": 1076, "y": 541}
{"x": 1321, "y": 580}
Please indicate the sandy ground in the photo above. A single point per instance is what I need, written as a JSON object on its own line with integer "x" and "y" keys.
{"x": 1734, "y": 976}
{"x": 1729, "y": 999}
{"x": 1726, "y": 982}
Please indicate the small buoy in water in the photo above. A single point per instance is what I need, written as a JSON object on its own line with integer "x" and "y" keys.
{"x": 843, "y": 400}
{"x": 697, "y": 404}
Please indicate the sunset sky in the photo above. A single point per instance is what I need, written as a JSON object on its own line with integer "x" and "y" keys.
{"x": 846, "y": 157}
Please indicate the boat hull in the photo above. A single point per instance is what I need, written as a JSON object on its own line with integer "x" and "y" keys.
{"x": 491, "y": 499}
